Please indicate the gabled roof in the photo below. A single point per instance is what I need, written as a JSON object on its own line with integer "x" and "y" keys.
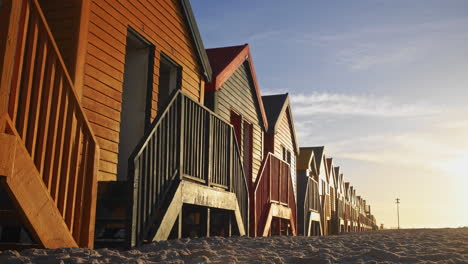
{"x": 196, "y": 38}
{"x": 315, "y": 153}
{"x": 329, "y": 168}
{"x": 318, "y": 154}
{"x": 275, "y": 107}
{"x": 336, "y": 175}
{"x": 224, "y": 62}
{"x": 304, "y": 159}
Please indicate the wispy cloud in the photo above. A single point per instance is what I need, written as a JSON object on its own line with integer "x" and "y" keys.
{"x": 365, "y": 56}
{"x": 367, "y": 105}
{"x": 266, "y": 35}
{"x": 391, "y": 45}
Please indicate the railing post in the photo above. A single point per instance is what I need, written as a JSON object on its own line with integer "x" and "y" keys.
{"x": 182, "y": 133}
{"x": 210, "y": 147}
{"x": 87, "y": 238}
{"x": 11, "y": 13}
{"x": 231, "y": 163}
{"x": 135, "y": 202}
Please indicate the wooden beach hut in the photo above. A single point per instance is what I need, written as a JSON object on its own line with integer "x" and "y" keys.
{"x": 353, "y": 203}
{"x": 102, "y": 106}
{"x": 347, "y": 215}
{"x": 274, "y": 210}
{"x": 331, "y": 221}
{"x": 324, "y": 191}
{"x": 340, "y": 202}
{"x": 309, "y": 209}
{"x": 234, "y": 95}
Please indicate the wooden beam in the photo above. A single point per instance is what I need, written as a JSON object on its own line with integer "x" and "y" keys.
{"x": 197, "y": 194}
{"x": 82, "y": 48}
{"x": 208, "y": 215}
{"x": 30, "y": 195}
{"x": 173, "y": 210}
{"x": 280, "y": 211}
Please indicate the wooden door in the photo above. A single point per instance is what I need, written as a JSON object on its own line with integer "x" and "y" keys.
{"x": 236, "y": 121}
{"x": 247, "y": 150}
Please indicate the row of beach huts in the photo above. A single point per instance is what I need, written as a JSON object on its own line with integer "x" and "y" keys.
{"x": 118, "y": 128}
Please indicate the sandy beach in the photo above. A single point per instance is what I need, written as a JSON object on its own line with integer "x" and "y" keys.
{"x": 388, "y": 246}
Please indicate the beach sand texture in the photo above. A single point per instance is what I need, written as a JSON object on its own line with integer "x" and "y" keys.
{"x": 388, "y": 246}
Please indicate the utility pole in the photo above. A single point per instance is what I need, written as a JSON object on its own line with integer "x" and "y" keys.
{"x": 398, "y": 211}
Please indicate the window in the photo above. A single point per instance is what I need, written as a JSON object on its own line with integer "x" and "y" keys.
{"x": 286, "y": 154}
{"x": 169, "y": 80}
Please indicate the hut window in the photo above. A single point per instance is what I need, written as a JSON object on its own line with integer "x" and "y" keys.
{"x": 169, "y": 80}
{"x": 286, "y": 155}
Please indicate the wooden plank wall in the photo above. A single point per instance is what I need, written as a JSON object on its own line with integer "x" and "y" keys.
{"x": 160, "y": 22}
{"x": 63, "y": 18}
{"x": 284, "y": 137}
{"x": 237, "y": 94}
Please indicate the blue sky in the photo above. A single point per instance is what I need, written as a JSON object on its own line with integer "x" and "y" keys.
{"x": 382, "y": 84}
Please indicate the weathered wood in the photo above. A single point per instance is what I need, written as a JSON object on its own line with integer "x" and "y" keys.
{"x": 82, "y": 47}
{"x": 31, "y": 196}
{"x": 49, "y": 122}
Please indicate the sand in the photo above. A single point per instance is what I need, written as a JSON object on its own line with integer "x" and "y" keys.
{"x": 388, "y": 246}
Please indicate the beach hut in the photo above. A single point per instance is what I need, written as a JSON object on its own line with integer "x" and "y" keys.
{"x": 324, "y": 190}
{"x": 308, "y": 198}
{"x": 234, "y": 95}
{"x": 347, "y": 205}
{"x": 340, "y": 202}
{"x": 102, "y": 106}
{"x": 354, "y": 215}
{"x": 329, "y": 197}
{"x": 274, "y": 189}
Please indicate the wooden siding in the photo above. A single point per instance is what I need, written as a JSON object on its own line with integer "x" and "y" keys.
{"x": 63, "y": 18}
{"x": 160, "y": 22}
{"x": 284, "y": 138}
{"x": 237, "y": 94}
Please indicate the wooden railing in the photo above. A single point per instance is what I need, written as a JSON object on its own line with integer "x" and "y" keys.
{"x": 45, "y": 113}
{"x": 187, "y": 141}
{"x": 274, "y": 185}
{"x": 312, "y": 196}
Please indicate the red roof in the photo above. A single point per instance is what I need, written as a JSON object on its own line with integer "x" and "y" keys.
{"x": 221, "y": 57}
{"x": 224, "y": 62}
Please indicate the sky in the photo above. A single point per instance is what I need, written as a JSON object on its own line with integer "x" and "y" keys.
{"x": 382, "y": 84}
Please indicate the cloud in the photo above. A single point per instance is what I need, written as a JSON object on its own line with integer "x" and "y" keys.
{"x": 266, "y": 35}
{"x": 368, "y": 105}
{"x": 365, "y": 56}
{"x": 391, "y": 45}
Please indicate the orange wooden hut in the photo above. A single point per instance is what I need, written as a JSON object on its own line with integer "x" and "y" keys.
{"x": 101, "y": 102}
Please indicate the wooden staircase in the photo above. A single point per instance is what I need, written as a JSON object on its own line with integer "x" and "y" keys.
{"x": 48, "y": 162}
{"x": 187, "y": 149}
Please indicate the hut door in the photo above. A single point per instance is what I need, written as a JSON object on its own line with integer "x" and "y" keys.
{"x": 236, "y": 123}
{"x": 248, "y": 150}
{"x": 134, "y": 116}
